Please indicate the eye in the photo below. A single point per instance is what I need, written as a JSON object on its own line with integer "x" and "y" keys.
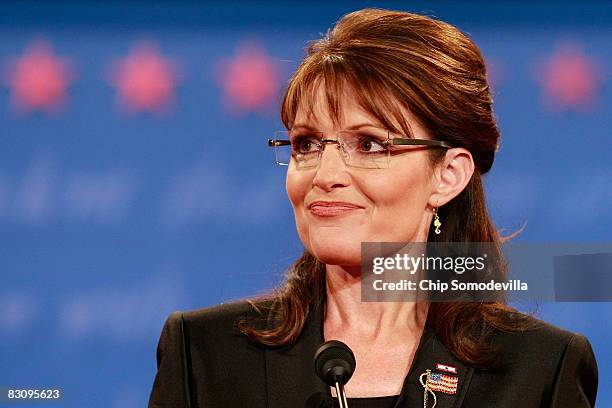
{"x": 304, "y": 144}
{"x": 371, "y": 144}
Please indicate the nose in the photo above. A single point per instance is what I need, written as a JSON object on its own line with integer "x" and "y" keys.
{"x": 331, "y": 171}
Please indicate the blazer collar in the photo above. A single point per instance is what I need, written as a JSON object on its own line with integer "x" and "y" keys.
{"x": 292, "y": 381}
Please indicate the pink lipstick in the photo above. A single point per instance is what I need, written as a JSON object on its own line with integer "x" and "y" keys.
{"x": 332, "y": 208}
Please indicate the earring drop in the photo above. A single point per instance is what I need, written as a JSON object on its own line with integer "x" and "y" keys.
{"x": 437, "y": 223}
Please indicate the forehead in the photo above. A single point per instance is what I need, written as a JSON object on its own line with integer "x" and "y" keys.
{"x": 325, "y": 110}
{"x": 315, "y": 109}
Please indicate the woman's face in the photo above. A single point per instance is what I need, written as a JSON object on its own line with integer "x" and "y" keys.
{"x": 337, "y": 207}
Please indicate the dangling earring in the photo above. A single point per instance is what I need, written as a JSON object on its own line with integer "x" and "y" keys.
{"x": 437, "y": 222}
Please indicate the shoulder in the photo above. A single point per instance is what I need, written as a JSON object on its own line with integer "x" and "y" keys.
{"x": 545, "y": 362}
{"x": 219, "y": 321}
{"x": 223, "y": 313}
{"x": 538, "y": 337}
{"x": 562, "y": 361}
{"x": 204, "y": 349}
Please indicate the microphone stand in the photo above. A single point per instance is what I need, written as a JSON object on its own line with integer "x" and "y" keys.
{"x": 341, "y": 394}
{"x": 334, "y": 363}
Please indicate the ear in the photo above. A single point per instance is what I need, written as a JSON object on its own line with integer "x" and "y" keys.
{"x": 451, "y": 175}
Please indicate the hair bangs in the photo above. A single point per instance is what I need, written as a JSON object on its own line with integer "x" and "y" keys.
{"x": 341, "y": 79}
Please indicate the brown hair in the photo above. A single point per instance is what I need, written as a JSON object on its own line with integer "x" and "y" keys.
{"x": 394, "y": 60}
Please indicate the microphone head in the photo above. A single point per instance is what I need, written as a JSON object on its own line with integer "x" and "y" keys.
{"x": 334, "y": 361}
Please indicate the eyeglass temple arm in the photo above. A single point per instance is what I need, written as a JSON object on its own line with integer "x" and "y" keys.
{"x": 419, "y": 142}
{"x": 276, "y": 142}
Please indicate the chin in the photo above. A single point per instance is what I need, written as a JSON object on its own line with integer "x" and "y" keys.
{"x": 336, "y": 250}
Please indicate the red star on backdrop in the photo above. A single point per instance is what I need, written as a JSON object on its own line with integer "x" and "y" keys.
{"x": 250, "y": 80}
{"x": 144, "y": 80}
{"x": 39, "y": 79}
{"x": 569, "y": 79}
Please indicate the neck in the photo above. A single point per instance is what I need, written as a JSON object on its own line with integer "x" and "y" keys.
{"x": 374, "y": 320}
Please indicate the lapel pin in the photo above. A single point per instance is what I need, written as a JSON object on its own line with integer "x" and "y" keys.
{"x": 432, "y": 382}
{"x": 447, "y": 368}
{"x": 443, "y": 383}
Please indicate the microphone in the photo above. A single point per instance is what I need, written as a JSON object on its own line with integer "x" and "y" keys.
{"x": 335, "y": 364}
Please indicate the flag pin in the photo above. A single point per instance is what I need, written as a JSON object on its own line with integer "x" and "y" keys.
{"x": 443, "y": 382}
{"x": 432, "y": 382}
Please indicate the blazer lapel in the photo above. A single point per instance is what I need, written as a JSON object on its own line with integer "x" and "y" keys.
{"x": 429, "y": 353}
{"x": 291, "y": 379}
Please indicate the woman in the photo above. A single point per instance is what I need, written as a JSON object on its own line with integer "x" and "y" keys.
{"x": 386, "y": 75}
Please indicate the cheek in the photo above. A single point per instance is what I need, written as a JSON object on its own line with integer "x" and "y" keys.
{"x": 399, "y": 200}
{"x": 296, "y": 186}
{"x": 400, "y": 188}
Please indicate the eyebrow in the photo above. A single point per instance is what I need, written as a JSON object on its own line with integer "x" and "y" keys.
{"x": 352, "y": 127}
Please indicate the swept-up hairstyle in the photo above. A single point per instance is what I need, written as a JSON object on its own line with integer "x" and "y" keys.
{"x": 392, "y": 60}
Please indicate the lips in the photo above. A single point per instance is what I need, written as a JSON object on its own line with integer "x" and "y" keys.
{"x": 332, "y": 208}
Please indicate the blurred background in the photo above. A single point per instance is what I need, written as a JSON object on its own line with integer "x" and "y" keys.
{"x": 135, "y": 178}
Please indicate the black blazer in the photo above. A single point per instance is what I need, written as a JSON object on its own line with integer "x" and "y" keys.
{"x": 203, "y": 361}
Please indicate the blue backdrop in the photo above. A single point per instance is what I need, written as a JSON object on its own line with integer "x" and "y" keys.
{"x": 135, "y": 180}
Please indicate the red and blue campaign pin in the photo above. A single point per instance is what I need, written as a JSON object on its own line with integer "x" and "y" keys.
{"x": 447, "y": 368}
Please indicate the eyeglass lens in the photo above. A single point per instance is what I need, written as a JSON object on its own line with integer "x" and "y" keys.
{"x": 358, "y": 149}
